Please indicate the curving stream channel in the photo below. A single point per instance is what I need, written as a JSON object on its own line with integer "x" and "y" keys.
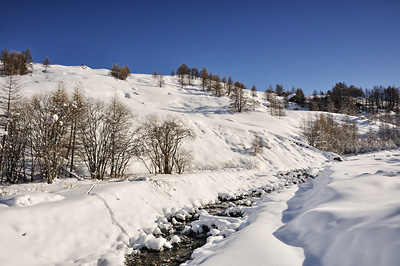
{"x": 190, "y": 228}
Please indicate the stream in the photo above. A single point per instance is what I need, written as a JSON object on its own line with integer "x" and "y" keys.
{"x": 193, "y": 227}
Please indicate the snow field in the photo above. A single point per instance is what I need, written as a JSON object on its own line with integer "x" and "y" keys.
{"x": 350, "y": 214}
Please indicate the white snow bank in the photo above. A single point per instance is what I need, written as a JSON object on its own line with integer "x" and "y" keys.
{"x": 30, "y": 199}
{"x": 350, "y": 214}
{"x": 254, "y": 243}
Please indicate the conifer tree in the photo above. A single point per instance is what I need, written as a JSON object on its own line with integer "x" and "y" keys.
{"x": 254, "y": 91}
{"x": 46, "y": 63}
{"x": 229, "y": 86}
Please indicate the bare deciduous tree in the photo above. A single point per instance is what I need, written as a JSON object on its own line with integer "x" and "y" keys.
{"x": 14, "y": 134}
{"x": 122, "y": 145}
{"x": 239, "y": 100}
{"x": 95, "y": 138}
{"x": 256, "y": 145}
{"x": 50, "y": 116}
{"x": 160, "y": 80}
{"x": 162, "y": 141}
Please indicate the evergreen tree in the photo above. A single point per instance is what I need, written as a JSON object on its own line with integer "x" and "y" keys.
{"x": 46, "y": 63}
{"x": 279, "y": 89}
{"x": 254, "y": 91}
{"x": 229, "y": 86}
{"x": 299, "y": 97}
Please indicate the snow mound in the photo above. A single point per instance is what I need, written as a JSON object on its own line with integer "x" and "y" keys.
{"x": 30, "y": 199}
{"x": 350, "y": 212}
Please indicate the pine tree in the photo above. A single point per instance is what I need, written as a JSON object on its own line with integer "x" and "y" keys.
{"x": 46, "y": 63}
{"x": 229, "y": 86}
{"x": 254, "y": 91}
{"x": 279, "y": 89}
{"x": 182, "y": 72}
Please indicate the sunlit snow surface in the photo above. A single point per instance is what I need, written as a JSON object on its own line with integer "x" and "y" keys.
{"x": 349, "y": 215}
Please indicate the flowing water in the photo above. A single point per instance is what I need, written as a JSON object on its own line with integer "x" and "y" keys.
{"x": 182, "y": 251}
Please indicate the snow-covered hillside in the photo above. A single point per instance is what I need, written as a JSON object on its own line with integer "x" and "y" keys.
{"x": 73, "y": 222}
{"x": 223, "y": 138}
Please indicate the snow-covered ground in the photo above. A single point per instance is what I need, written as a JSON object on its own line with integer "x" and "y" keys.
{"x": 347, "y": 216}
{"x": 350, "y": 214}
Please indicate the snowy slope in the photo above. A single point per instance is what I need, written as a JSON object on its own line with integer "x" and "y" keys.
{"x": 350, "y": 215}
{"x": 222, "y": 139}
{"x": 95, "y": 223}
{"x": 54, "y": 224}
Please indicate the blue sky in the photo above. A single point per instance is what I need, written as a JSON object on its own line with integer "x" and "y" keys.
{"x": 306, "y": 44}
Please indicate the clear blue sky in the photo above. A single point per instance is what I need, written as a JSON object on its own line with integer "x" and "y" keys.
{"x": 306, "y": 44}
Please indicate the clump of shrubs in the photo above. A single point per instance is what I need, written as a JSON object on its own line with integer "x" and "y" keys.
{"x": 120, "y": 72}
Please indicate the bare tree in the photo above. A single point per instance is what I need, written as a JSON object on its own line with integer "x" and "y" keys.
{"x": 95, "y": 137}
{"x": 256, "y": 145}
{"x": 253, "y": 97}
{"x": 122, "y": 145}
{"x": 204, "y": 78}
{"x": 115, "y": 69}
{"x": 239, "y": 100}
{"x": 162, "y": 140}
{"x": 217, "y": 86}
{"x": 160, "y": 80}
{"x": 14, "y": 134}
{"x": 50, "y": 116}
{"x": 77, "y": 109}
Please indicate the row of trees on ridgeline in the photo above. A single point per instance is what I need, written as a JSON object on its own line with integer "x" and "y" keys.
{"x": 18, "y": 63}
{"x": 352, "y": 100}
{"x": 48, "y": 135}
{"x": 15, "y": 63}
